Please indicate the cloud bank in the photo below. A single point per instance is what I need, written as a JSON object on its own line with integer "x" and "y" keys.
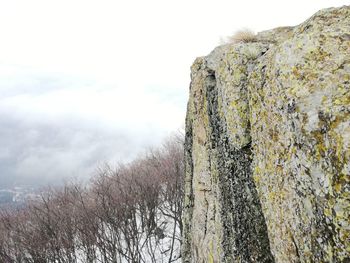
{"x": 53, "y": 128}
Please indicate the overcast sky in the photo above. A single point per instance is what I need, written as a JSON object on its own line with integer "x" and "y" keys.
{"x": 83, "y": 82}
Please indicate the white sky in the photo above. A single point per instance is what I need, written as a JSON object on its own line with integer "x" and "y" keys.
{"x": 111, "y": 68}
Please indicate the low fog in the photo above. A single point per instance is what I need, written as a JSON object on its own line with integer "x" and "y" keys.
{"x": 54, "y": 129}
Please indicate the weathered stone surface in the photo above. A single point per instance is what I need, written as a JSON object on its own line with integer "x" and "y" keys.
{"x": 268, "y": 147}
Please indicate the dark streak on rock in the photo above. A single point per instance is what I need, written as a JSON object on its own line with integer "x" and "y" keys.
{"x": 245, "y": 233}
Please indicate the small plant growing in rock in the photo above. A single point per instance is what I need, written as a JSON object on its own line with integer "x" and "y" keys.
{"x": 251, "y": 51}
{"x": 243, "y": 36}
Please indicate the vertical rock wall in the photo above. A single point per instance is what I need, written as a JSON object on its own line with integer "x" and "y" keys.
{"x": 268, "y": 146}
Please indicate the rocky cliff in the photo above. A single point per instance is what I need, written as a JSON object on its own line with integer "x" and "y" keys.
{"x": 268, "y": 147}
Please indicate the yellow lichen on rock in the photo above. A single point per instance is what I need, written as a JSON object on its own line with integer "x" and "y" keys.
{"x": 304, "y": 86}
{"x": 268, "y": 147}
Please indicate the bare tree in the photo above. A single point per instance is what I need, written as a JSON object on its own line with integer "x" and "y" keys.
{"x": 131, "y": 213}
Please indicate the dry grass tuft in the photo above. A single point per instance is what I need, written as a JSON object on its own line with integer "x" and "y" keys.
{"x": 243, "y": 36}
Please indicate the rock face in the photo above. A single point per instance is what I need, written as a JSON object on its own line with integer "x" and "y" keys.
{"x": 268, "y": 147}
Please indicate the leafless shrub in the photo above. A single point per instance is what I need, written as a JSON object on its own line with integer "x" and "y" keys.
{"x": 123, "y": 215}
